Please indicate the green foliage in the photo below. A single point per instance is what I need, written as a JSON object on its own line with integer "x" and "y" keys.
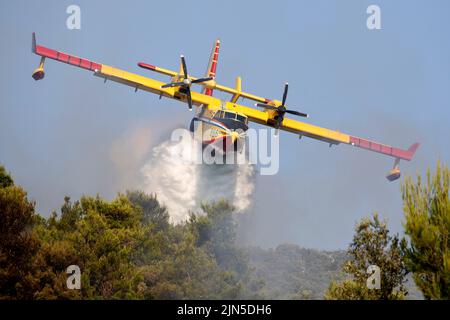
{"x": 17, "y": 243}
{"x": 186, "y": 272}
{"x": 217, "y": 233}
{"x": 152, "y": 211}
{"x": 349, "y": 290}
{"x": 98, "y": 236}
{"x": 126, "y": 249}
{"x": 5, "y": 178}
{"x": 372, "y": 245}
{"x": 426, "y": 205}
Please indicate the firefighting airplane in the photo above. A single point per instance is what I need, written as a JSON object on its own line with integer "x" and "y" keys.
{"x": 223, "y": 122}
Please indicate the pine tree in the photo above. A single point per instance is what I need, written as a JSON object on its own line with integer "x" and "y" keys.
{"x": 426, "y": 205}
{"x": 5, "y": 178}
{"x": 372, "y": 245}
{"x": 18, "y": 244}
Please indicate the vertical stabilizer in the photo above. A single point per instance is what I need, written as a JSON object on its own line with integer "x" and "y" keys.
{"x": 212, "y": 65}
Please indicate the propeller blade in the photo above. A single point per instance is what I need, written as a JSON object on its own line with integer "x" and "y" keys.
{"x": 300, "y": 114}
{"x": 285, "y": 94}
{"x": 266, "y": 106}
{"x": 202, "y": 80}
{"x": 172, "y": 84}
{"x": 183, "y": 62}
{"x": 189, "y": 97}
{"x": 279, "y": 121}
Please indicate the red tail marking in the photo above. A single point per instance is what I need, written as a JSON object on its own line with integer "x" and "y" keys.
{"x": 212, "y": 66}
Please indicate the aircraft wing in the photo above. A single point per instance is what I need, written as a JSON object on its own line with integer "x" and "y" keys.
{"x": 324, "y": 134}
{"x": 133, "y": 80}
{"x": 336, "y": 137}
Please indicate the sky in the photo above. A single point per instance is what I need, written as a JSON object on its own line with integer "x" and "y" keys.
{"x": 71, "y": 134}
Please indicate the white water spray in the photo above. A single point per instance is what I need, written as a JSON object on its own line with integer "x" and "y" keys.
{"x": 182, "y": 185}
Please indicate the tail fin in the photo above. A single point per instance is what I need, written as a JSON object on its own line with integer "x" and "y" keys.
{"x": 212, "y": 65}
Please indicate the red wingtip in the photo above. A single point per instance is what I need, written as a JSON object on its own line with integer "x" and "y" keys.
{"x": 412, "y": 150}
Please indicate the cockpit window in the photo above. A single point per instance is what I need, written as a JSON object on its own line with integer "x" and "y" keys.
{"x": 220, "y": 114}
{"x": 241, "y": 118}
{"x": 230, "y": 115}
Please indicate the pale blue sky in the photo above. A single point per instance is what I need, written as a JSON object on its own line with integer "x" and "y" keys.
{"x": 390, "y": 85}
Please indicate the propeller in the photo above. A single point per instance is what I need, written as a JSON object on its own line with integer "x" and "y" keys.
{"x": 281, "y": 109}
{"x": 186, "y": 83}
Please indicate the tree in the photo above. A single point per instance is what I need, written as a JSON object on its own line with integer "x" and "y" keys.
{"x": 5, "y": 178}
{"x": 18, "y": 243}
{"x": 152, "y": 211}
{"x": 426, "y": 206}
{"x": 372, "y": 245}
{"x": 186, "y": 271}
{"x": 125, "y": 248}
{"x": 99, "y": 236}
{"x": 215, "y": 231}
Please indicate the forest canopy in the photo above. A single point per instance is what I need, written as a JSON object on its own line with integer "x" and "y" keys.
{"x": 127, "y": 248}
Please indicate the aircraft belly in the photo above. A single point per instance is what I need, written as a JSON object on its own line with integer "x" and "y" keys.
{"x": 214, "y": 134}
